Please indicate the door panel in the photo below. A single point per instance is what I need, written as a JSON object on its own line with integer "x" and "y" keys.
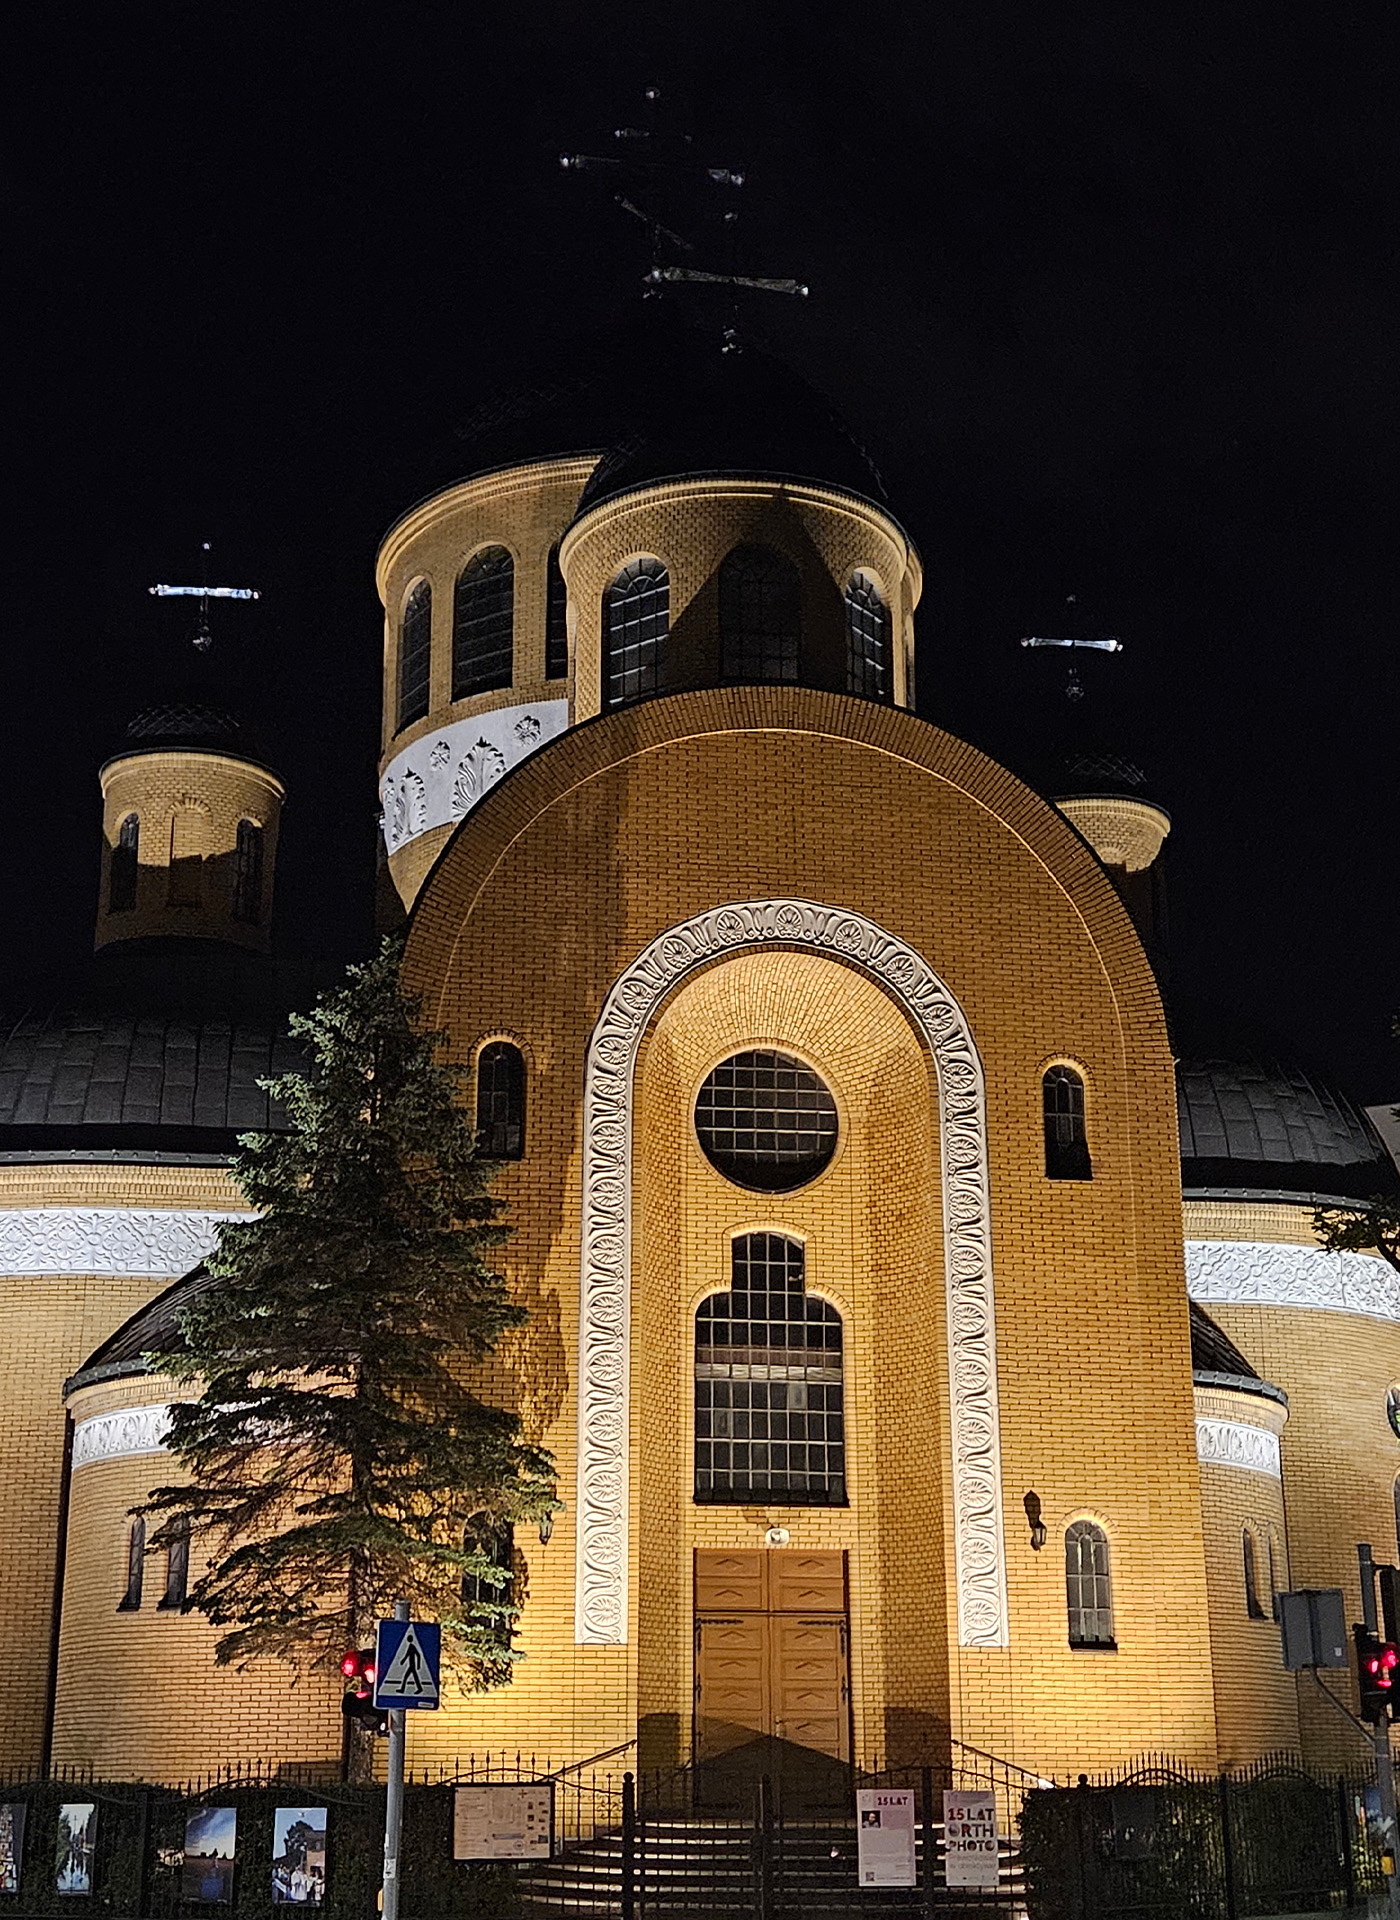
{"x": 730, "y": 1582}
{"x": 806, "y": 1582}
{"x": 776, "y": 1672}
{"x": 810, "y": 1684}
{"x": 731, "y": 1684}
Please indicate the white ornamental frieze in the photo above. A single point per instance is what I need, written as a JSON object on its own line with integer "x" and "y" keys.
{"x": 1230, "y": 1443}
{"x": 1269, "y": 1274}
{"x": 155, "y": 1243}
{"x": 604, "y": 1392}
{"x": 116, "y": 1436}
{"x": 436, "y": 781}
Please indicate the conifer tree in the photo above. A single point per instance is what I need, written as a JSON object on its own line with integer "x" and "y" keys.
{"x": 340, "y": 1457}
{"x": 1372, "y": 1227}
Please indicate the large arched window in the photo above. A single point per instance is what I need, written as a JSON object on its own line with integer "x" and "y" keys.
{"x": 1088, "y": 1593}
{"x": 130, "y": 1601}
{"x": 636, "y": 620}
{"x": 1066, "y": 1138}
{"x": 556, "y": 620}
{"x": 500, "y": 1101}
{"x": 248, "y": 873}
{"x": 121, "y": 881}
{"x": 867, "y": 639}
{"x": 769, "y": 1406}
{"x": 760, "y": 615}
{"x": 415, "y": 653}
{"x": 483, "y": 623}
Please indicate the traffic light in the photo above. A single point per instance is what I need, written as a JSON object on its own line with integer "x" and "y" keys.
{"x": 1376, "y": 1663}
{"x": 358, "y": 1703}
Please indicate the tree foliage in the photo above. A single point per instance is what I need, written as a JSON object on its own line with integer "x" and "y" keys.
{"x": 340, "y": 1453}
{"x": 1371, "y": 1228}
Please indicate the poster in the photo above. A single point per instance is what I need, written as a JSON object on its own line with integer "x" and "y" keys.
{"x": 77, "y": 1842}
{"x": 211, "y": 1842}
{"x": 885, "y": 1837}
{"x": 298, "y": 1856}
{"x": 12, "y": 1814}
{"x": 971, "y": 1857}
{"x": 503, "y": 1823}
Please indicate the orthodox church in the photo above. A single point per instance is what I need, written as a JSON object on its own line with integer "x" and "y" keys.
{"x": 933, "y": 1350}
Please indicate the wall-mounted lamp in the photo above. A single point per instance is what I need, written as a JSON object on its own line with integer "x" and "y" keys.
{"x": 1032, "y": 1505}
{"x": 547, "y": 1524}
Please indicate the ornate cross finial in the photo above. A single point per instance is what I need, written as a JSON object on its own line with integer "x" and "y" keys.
{"x": 202, "y": 638}
{"x": 1108, "y": 643}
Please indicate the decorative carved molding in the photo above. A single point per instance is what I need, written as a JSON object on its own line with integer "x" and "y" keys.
{"x": 135, "y": 1242}
{"x": 1266, "y": 1274}
{"x": 1229, "y": 1443}
{"x": 440, "y": 778}
{"x": 601, "y": 1576}
{"x": 114, "y": 1436}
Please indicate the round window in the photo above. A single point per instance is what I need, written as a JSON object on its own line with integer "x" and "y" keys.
{"x": 1392, "y": 1410}
{"x": 765, "y": 1121}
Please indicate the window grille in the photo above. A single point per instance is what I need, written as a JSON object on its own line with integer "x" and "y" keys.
{"x": 121, "y": 882}
{"x": 636, "y": 620}
{"x": 556, "y": 620}
{"x": 1066, "y": 1139}
{"x": 491, "y": 1604}
{"x": 1088, "y": 1593}
{"x": 130, "y": 1601}
{"x": 500, "y": 1101}
{"x": 415, "y": 654}
{"x": 1254, "y": 1606}
{"x": 248, "y": 873}
{"x": 867, "y": 639}
{"x": 483, "y": 623}
{"x": 760, "y": 615}
{"x": 766, "y": 1121}
{"x": 769, "y": 1395}
{"x": 177, "y": 1570}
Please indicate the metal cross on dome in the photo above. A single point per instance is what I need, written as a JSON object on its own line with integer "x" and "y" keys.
{"x": 1109, "y": 643}
{"x": 652, "y": 158}
{"x": 203, "y": 639}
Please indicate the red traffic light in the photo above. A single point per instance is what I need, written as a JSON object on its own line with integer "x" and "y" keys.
{"x": 350, "y": 1665}
{"x": 358, "y": 1664}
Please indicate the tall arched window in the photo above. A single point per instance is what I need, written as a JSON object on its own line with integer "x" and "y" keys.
{"x": 1066, "y": 1138}
{"x": 189, "y": 843}
{"x": 1395, "y": 1499}
{"x": 760, "y": 615}
{"x": 483, "y": 623}
{"x": 1088, "y": 1593}
{"x": 500, "y": 1101}
{"x": 769, "y": 1406}
{"x": 636, "y": 620}
{"x": 867, "y": 639}
{"x": 556, "y": 620}
{"x": 1253, "y": 1605}
{"x": 248, "y": 873}
{"x": 121, "y": 881}
{"x": 130, "y": 1601}
{"x": 415, "y": 653}
{"x": 177, "y": 1569}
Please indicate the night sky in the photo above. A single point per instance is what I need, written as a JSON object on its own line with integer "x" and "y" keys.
{"x": 1109, "y": 293}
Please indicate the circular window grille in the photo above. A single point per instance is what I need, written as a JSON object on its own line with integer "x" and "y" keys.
{"x": 765, "y": 1121}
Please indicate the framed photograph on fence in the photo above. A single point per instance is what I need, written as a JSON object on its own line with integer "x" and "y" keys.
{"x": 298, "y": 1856}
{"x": 76, "y": 1846}
{"x": 211, "y": 1848}
{"x": 12, "y": 1814}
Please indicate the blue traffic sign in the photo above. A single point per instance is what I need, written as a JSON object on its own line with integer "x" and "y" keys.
{"x": 407, "y": 1659}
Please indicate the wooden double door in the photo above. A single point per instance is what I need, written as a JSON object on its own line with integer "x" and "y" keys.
{"x": 772, "y": 1653}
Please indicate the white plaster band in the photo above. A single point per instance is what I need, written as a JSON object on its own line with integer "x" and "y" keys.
{"x": 604, "y": 1408}
{"x": 139, "y": 1243}
{"x": 118, "y": 1436}
{"x": 1229, "y": 1443}
{"x": 1266, "y": 1274}
{"x": 439, "y": 779}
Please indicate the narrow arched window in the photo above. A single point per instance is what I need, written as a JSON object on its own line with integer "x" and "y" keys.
{"x": 500, "y": 1101}
{"x": 1088, "y": 1593}
{"x": 130, "y": 1601}
{"x": 1253, "y": 1605}
{"x": 1395, "y": 1501}
{"x": 769, "y": 1393}
{"x": 248, "y": 873}
{"x": 556, "y": 620}
{"x": 1066, "y": 1138}
{"x": 760, "y": 615}
{"x": 1273, "y": 1581}
{"x": 636, "y": 620}
{"x": 415, "y": 653}
{"x": 177, "y": 1569}
{"x": 867, "y": 639}
{"x": 121, "y": 881}
{"x": 488, "y": 1590}
{"x": 483, "y": 623}
{"x": 189, "y": 843}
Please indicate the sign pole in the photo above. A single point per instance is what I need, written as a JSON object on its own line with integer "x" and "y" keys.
{"x": 393, "y": 1798}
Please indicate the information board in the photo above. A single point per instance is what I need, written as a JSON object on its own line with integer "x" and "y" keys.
{"x": 970, "y": 1854}
{"x": 885, "y": 1837}
{"x": 503, "y": 1822}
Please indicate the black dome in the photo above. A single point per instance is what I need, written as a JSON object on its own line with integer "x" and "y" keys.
{"x": 183, "y": 724}
{"x": 1265, "y": 1125}
{"x": 154, "y": 1328}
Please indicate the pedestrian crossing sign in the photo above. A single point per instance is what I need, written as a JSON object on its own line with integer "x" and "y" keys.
{"x": 407, "y": 1655}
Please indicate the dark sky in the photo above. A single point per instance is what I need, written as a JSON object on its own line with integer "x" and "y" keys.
{"x": 1108, "y": 291}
